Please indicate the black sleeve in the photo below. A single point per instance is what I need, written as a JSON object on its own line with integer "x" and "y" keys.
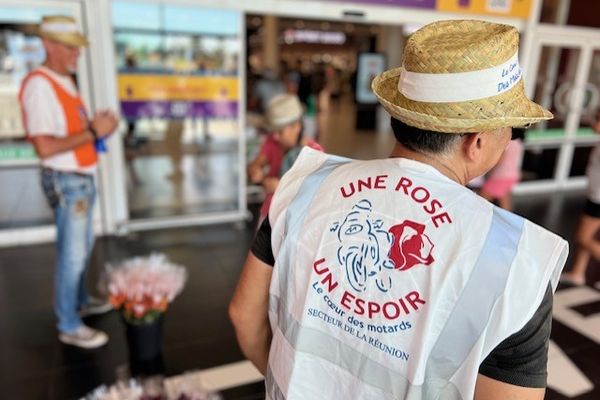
{"x": 522, "y": 358}
{"x": 261, "y": 247}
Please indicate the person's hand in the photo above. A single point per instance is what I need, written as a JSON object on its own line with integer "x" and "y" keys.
{"x": 256, "y": 175}
{"x": 105, "y": 122}
{"x": 270, "y": 184}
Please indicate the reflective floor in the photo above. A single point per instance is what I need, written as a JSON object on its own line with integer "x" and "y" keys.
{"x": 178, "y": 168}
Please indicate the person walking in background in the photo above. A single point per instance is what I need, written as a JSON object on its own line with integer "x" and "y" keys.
{"x": 56, "y": 123}
{"x": 268, "y": 86}
{"x": 283, "y": 119}
{"x": 310, "y": 122}
{"x": 585, "y": 238}
{"x": 501, "y": 180}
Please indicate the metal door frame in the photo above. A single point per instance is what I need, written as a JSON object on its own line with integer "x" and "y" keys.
{"x": 586, "y": 40}
{"x": 116, "y": 211}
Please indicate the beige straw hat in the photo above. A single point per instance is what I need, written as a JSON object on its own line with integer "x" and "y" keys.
{"x": 62, "y": 29}
{"x": 282, "y": 110}
{"x": 457, "y": 77}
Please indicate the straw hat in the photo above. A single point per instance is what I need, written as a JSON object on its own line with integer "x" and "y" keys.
{"x": 282, "y": 110}
{"x": 62, "y": 29}
{"x": 457, "y": 77}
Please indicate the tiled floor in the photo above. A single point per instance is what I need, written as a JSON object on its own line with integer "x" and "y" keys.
{"x": 198, "y": 336}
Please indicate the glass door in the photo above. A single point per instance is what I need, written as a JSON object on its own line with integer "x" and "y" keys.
{"x": 564, "y": 79}
{"x": 586, "y": 138}
{"x": 179, "y": 88}
{"x": 554, "y": 82}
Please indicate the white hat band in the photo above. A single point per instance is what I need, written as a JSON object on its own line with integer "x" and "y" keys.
{"x": 282, "y": 121}
{"x": 59, "y": 27}
{"x": 460, "y": 86}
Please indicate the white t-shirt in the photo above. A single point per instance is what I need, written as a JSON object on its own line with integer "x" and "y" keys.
{"x": 45, "y": 116}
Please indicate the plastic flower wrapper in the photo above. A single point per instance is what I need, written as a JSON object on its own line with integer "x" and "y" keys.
{"x": 142, "y": 287}
{"x": 189, "y": 386}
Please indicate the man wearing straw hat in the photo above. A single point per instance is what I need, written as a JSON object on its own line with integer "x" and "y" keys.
{"x": 388, "y": 279}
{"x": 56, "y": 122}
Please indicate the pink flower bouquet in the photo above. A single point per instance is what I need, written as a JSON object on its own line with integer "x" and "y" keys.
{"x": 142, "y": 287}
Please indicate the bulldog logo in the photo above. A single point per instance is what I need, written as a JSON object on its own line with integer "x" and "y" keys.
{"x": 410, "y": 246}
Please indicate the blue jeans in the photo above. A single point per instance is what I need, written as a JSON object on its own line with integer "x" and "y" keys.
{"x": 71, "y": 196}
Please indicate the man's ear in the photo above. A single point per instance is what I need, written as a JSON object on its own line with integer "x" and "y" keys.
{"x": 472, "y": 146}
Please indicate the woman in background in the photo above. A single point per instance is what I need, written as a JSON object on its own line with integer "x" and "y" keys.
{"x": 501, "y": 180}
{"x": 589, "y": 222}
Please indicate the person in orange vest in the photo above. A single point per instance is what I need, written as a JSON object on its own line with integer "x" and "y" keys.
{"x": 57, "y": 124}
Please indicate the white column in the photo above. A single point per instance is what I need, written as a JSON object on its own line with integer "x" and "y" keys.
{"x": 390, "y": 41}
{"x": 271, "y": 42}
{"x": 549, "y": 84}
{"x": 527, "y": 43}
{"x": 112, "y": 193}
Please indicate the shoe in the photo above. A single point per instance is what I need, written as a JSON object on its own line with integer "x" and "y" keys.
{"x": 95, "y": 307}
{"x": 84, "y": 337}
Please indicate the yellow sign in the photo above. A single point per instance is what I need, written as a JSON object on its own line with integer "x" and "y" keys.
{"x": 153, "y": 87}
{"x": 507, "y": 8}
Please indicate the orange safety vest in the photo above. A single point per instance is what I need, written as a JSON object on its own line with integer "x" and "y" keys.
{"x": 75, "y": 117}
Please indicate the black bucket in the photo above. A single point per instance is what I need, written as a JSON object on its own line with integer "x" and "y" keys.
{"x": 144, "y": 340}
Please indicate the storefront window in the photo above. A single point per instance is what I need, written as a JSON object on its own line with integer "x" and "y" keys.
{"x": 179, "y": 91}
{"x": 554, "y": 84}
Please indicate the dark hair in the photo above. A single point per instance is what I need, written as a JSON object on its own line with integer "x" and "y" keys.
{"x": 518, "y": 134}
{"x": 423, "y": 141}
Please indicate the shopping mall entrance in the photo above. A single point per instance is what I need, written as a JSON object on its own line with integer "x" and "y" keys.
{"x": 329, "y": 64}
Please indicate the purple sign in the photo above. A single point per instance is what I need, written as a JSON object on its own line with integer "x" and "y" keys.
{"x": 430, "y": 4}
{"x": 179, "y": 109}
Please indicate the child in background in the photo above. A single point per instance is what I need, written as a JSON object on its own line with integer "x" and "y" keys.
{"x": 506, "y": 174}
{"x": 281, "y": 148}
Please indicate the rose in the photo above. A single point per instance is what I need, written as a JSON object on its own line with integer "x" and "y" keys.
{"x": 410, "y": 246}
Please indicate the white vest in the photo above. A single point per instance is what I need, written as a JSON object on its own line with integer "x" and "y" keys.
{"x": 392, "y": 281}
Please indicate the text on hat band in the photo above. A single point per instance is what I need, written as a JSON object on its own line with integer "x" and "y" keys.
{"x": 460, "y": 86}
